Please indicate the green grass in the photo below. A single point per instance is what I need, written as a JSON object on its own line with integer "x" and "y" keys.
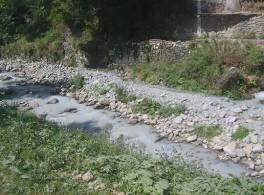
{"x": 240, "y": 133}
{"x": 153, "y": 108}
{"x": 40, "y": 157}
{"x": 122, "y": 95}
{"x": 207, "y": 132}
{"x": 97, "y": 89}
{"x": 77, "y": 81}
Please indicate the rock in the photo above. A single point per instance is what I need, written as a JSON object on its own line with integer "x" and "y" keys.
{"x": 260, "y": 96}
{"x": 53, "y": 101}
{"x": 132, "y": 121}
{"x": 71, "y": 110}
{"x": 254, "y": 174}
{"x": 254, "y": 139}
{"x": 231, "y": 119}
{"x": 33, "y": 105}
{"x": 248, "y": 149}
{"x": 101, "y": 104}
{"x": 178, "y": 120}
{"x": 88, "y": 176}
{"x": 5, "y": 78}
{"x": 230, "y": 149}
{"x": 191, "y": 138}
{"x": 257, "y": 148}
{"x": 231, "y": 78}
{"x": 91, "y": 103}
{"x": 237, "y": 110}
{"x": 261, "y": 173}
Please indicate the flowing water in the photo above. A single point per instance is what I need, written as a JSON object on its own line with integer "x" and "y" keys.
{"x": 94, "y": 121}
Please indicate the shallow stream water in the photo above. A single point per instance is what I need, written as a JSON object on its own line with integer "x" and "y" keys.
{"x": 91, "y": 120}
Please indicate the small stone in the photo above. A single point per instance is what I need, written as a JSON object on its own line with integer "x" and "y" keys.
{"x": 88, "y": 177}
{"x": 191, "y": 138}
{"x": 248, "y": 149}
{"x": 237, "y": 110}
{"x": 5, "y": 78}
{"x": 254, "y": 139}
{"x": 132, "y": 121}
{"x": 53, "y": 101}
{"x": 71, "y": 110}
{"x": 261, "y": 173}
{"x": 230, "y": 149}
{"x": 231, "y": 119}
{"x": 254, "y": 174}
{"x": 257, "y": 148}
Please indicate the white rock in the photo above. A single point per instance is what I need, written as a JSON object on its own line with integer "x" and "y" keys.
{"x": 231, "y": 119}
{"x": 257, "y": 148}
{"x": 192, "y": 138}
{"x": 230, "y": 149}
{"x": 88, "y": 176}
{"x": 248, "y": 149}
{"x": 237, "y": 110}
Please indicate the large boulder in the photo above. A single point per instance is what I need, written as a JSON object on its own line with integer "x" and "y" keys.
{"x": 232, "y": 78}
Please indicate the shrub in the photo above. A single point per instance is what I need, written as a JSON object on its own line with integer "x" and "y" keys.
{"x": 240, "y": 133}
{"x": 255, "y": 59}
{"x": 77, "y": 81}
{"x": 207, "y": 132}
{"x": 123, "y": 96}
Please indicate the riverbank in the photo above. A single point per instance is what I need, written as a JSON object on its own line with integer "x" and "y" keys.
{"x": 99, "y": 89}
{"x": 40, "y": 157}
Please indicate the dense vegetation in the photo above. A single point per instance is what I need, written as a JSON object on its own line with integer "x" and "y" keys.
{"x": 37, "y": 156}
{"x": 37, "y": 28}
{"x": 216, "y": 66}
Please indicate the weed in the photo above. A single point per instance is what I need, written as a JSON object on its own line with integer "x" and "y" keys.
{"x": 100, "y": 90}
{"x": 167, "y": 111}
{"x": 77, "y": 81}
{"x": 147, "y": 106}
{"x": 240, "y": 133}
{"x": 153, "y": 108}
{"x": 123, "y": 96}
{"x": 208, "y": 132}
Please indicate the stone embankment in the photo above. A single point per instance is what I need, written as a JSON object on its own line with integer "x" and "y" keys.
{"x": 202, "y": 110}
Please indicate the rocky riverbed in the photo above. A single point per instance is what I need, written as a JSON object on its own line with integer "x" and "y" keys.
{"x": 200, "y": 109}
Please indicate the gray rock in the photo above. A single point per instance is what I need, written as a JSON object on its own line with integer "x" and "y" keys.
{"x": 53, "y": 101}
{"x": 231, "y": 78}
{"x": 5, "y": 78}
{"x": 230, "y": 149}
{"x": 71, "y": 110}
{"x": 88, "y": 176}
